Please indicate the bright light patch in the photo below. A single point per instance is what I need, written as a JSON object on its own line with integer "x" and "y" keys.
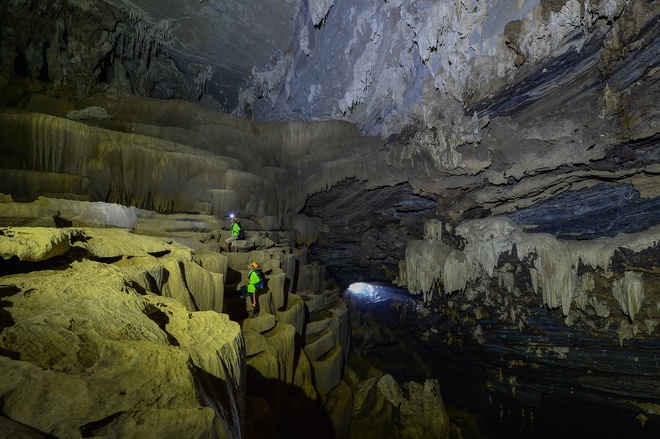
{"x": 375, "y": 293}
{"x": 362, "y": 289}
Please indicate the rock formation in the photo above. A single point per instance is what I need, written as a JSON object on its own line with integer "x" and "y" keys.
{"x": 135, "y": 327}
{"x": 496, "y": 159}
{"x": 88, "y": 350}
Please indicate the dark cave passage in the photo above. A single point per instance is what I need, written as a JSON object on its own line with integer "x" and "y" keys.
{"x": 490, "y": 390}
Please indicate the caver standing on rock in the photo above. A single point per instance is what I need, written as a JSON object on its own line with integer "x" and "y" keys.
{"x": 236, "y": 233}
{"x": 254, "y": 284}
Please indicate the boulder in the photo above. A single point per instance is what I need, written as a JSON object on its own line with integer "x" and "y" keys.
{"x": 101, "y": 358}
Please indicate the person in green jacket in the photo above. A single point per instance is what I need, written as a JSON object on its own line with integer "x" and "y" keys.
{"x": 235, "y": 233}
{"x": 251, "y": 288}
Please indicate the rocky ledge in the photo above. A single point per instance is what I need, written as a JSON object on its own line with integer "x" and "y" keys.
{"x": 123, "y": 332}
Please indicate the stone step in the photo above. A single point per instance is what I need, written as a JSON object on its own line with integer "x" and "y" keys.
{"x": 319, "y": 344}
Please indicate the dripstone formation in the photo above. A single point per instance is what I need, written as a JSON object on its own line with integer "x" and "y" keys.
{"x": 489, "y": 168}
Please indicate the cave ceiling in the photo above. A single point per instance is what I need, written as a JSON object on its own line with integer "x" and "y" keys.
{"x": 220, "y": 41}
{"x": 542, "y": 111}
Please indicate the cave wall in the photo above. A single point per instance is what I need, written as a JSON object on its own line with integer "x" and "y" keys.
{"x": 172, "y": 156}
{"x": 368, "y": 61}
{"x": 467, "y": 125}
{"x": 528, "y": 329}
{"x": 82, "y": 47}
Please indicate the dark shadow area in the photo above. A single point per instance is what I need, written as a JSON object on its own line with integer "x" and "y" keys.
{"x": 6, "y": 320}
{"x": 108, "y": 260}
{"x": 62, "y": 222}
{"x": 161, "y": 319}
{"x": 295, "y": 275}
{"x": 220, "y": 395}
{"x": 16, "y": 266}
{"x": 294, "y": 414}
{"x": 8, "y": 290}
{"x": 44, "y": 75}
{"x": 137, "y": 287}
{"x": 235, "y": 305}
{"x": 160, "y": 254}
{"x": 104, "y": 67}
{"x": 11, "y": 429}
{"x": 383, "y": 337}
{"x": 21, "y": 66}
{"x": 233, "y": 277}
{"x": 90, "y": 429}
{"x": 152, "y": 284}
{"x": 518, "y": 395}
{"x": 497, "y": 390}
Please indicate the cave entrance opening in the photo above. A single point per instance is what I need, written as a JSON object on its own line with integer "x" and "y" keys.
{"x": 373, "y": 293}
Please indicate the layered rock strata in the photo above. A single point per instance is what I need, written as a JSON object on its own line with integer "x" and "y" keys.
{"x": 152, "y": 337}
{"x": 540, "y": 317}
{"x": 541, "y": 112}
{"x": 93, "y": 345}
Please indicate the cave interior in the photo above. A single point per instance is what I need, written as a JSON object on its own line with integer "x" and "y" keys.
{"x": 465, "y": 191}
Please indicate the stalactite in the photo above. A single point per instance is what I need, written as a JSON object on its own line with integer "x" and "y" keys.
{"x": 629, "y": 293}
{"x": 455, "y": 272}
{"x": 553, "y": 271}
{"x": 424, "y": 262}
{"x": 202, "y": 77}
{"x": 627, "y": 331}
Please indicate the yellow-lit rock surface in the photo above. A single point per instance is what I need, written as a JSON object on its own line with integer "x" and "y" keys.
{"x": 120, "y": 332}
{"x": 86, "y": 352}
